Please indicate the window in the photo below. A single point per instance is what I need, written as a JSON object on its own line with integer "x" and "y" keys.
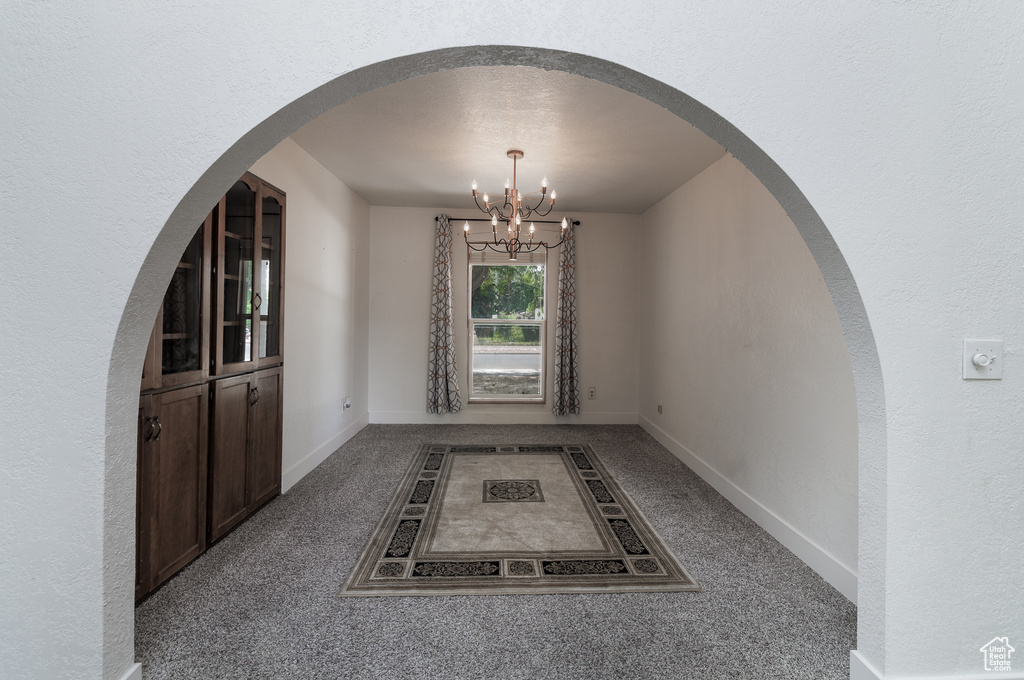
{"x": 506, "y": 329}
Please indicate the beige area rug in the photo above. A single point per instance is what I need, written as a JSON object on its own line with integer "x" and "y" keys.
{"x": 495, "y": 520}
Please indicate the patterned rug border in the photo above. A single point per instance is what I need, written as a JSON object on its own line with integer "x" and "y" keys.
{"x": 635, "y": 558}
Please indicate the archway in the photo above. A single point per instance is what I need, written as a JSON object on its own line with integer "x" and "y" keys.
{"x": 133, "y": 329}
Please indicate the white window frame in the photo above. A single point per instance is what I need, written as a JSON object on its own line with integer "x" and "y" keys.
{"x": 494, "y": 259}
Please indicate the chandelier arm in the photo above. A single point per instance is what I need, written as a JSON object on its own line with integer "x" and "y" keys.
{"x": 493, "y": 211}
{"x": 560, "y": 242}
{"x": 486, "y": 245}
{"x": 494, "y": 244}
{"x": 540, "y": 200}
{"x": 544, "y": 214}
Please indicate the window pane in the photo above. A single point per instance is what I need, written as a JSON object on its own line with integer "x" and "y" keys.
{"x": 506, "y": 359}
{"x": 507, "y": 291}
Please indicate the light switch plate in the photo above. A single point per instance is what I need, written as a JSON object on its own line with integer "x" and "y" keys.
{"x": 989, "y": 354}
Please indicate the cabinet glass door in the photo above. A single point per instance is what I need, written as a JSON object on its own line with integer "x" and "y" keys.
{"x": 268, "y": 299}
{"x": 181, "y": 332}
{"x": 236, "y": 275}
{"x": 179, "y": 351}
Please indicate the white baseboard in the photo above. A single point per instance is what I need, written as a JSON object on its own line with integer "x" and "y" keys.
{"x": 475, "y": 416}
{"x": 133, "y": 673}
{"x": 841, "y": 577}
{"x": 306, "y": 465}
{"x": 860, "y": 669}
{"x": 982, "y": 675}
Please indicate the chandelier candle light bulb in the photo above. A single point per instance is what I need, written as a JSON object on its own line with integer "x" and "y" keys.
{"x": 512, "y": 212}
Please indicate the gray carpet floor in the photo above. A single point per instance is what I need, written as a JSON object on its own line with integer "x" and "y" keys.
{"x": 261, "y": 603}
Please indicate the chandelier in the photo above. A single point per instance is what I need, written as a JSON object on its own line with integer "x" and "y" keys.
{"x": 515, "y": 210}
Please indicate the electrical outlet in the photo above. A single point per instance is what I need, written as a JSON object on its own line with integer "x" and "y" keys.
{"x": 659, "y": 409}
{"x": 348, "y": 402}
{"x": 592, "y": 393}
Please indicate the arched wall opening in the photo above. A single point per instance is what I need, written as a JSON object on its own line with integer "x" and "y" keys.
{"x": 136, "y": 321}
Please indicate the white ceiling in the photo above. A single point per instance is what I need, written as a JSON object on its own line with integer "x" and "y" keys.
{"x": 422, "y": 142}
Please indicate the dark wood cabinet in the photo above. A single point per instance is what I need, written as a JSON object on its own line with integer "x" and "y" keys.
{"x": 179, "y": 347}
{"x": 245, "y": 466}
{"x": 210, "y": 450}
{"x": 270, "y": 297}
{"x": 249, "y": 277}
{"x": 265, "y": 461}
{"x": 172, "y": 483}
{"x": 232, "y": 424}
{"x": 142, "y": 505}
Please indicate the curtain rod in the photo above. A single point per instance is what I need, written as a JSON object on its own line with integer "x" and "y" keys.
{"x": 484, "y": 219}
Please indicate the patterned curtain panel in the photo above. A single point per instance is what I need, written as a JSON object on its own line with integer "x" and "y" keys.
{"x": 442, "y": 378}
{"x": 567, "y": 387}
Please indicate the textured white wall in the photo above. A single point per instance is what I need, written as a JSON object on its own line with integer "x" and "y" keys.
{"x": 741, "y": 346}
{"x": 326, "y": 308}
{"x": 401, "y": 269}
{"x": 895, "y": 124}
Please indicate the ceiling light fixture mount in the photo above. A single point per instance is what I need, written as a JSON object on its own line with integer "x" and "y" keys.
{"x": 516, "y": 209}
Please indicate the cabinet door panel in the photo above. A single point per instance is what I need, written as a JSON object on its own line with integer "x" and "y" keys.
{"x": 229, "y": 454}
{"x": 151, "y": 365}
{"x": 178, "y": 352}
{"x": 271, "y": 276}
{"x": 184, "y": 348}
{"x": 265, "y": 464}
{"x": 143, "y": 504}
{"x": 178, "y": 524}
{"x": 237, "y": 236}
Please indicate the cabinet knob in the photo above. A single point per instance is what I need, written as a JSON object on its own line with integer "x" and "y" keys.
{"x": 159, "y": 429}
